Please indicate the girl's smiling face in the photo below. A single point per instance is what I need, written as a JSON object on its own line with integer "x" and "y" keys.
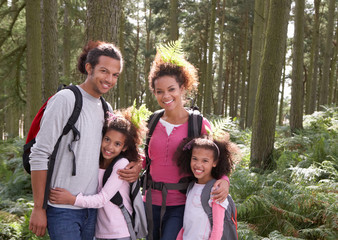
{"x": 113, "y": 143}
{"x": 201, "y": 163}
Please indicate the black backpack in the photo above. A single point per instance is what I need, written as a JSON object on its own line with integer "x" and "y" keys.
{"x": 35, "y": 127}
{"x": 137, "y": 222}
{"x": 230, "y": 217}
{"x": 194, "y": 130}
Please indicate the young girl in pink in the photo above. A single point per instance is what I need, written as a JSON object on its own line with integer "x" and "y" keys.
{"x": 120, "y": 137}
{"x": 206, "y": 159}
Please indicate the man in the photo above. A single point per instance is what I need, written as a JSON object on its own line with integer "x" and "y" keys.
{"x": 102, "y": 63}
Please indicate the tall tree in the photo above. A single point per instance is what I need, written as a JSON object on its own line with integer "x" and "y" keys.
{"x": 311, "y": 84}
{"x": 148, "y": 18}
{"x": 66, "y": 42}
{"x": 333, "y": 74}
{"x": 244, "y": 71}
{"x": 49, "y": 36}
{"x": 264, "y": 123}
{"x": 174, "y": 20}
{"x": 324, "y": 85}
{"x": 34, "y": 62}
{"x": 296, "y": 111}
{"x": 220, "y": 82}
{"x": 256, "y": 55}
{"x": 102, "y": 24}
{"x": 209, "y": 79}
{"x": 121, "y": 85}
{"x": 281, "y": 102}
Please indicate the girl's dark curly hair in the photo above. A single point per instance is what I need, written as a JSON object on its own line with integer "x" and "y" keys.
{"x": 121, "y": 121}
{"x": 185, "y": 75}
{"x": 225, "y": 160}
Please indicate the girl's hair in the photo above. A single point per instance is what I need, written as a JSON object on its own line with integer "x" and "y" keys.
{"x": 221, "y": 151}
{"x": 93, "y": 50}
{"x": 185, "y": 74}
{"x": 121, "y": 121}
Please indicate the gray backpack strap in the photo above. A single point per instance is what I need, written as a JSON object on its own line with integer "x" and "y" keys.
{"x": 205, "y": 196}
{"x": 194, "y": 123}
{"x": 230, "y": 221}
{"x": 119, "y": 202}
{"x": 230, "y": 218}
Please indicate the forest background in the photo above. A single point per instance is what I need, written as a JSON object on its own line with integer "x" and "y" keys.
{"x": 246, "y": 61}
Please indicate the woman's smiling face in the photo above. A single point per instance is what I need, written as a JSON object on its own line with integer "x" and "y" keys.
{"x": 168, "y": 93}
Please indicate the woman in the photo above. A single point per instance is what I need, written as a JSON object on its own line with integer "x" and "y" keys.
{"x": 171, "y": 78}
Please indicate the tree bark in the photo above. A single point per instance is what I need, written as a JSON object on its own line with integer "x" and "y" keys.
{"x": 264, "y": 123}
{"x": 149, "y": 94}
{"x": 324, "y": 86}
{"x": 244, "y": 74}
{"x": 333, "y": 75}
{"x": 34, "y": 62}
{"x": 256, "y": 56}
{"x": 49, "y": 35}
{"x": 66, "y": 43}
{"x": 296, "y": 111}
{"x": 209, "y": 80}
{"x": 121, "y": 85}
{"x": 102, "y": 24}
{"x": 174, "y": 20}
{"x": 311, "y": 84}
{"x": 220, "y": 82}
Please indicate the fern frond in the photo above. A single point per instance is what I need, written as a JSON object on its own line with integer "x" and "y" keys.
{"x": 172, "y": 52}
{"x": 318, "y": 233}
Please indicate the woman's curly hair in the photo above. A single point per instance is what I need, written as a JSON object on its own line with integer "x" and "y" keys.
{"x": 225, "y": 151}
{"x": 121, "y": 121}
{"x": 185, "y": 75}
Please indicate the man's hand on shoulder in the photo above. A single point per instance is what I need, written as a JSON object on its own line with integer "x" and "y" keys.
{"x": 131, "y": 172}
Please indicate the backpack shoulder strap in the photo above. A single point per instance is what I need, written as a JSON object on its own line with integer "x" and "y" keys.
{"x": 77, "y": 109}
{"x": 194, "y": 123}
{"x": 152, "y": 122}
{"x": 205, "y": 196}
{"x": 191, "y": 184}
{"x": 117, "y": 198}
{"x": 109, "y": 169}
{"x": 105, "y": 107}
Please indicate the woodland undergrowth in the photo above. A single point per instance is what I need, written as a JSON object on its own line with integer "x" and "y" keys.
{"x": 297, "y": 200}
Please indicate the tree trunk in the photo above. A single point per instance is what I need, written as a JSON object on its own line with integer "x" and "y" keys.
{"x": 244, "y": 73}
{"x": 209, "y": 80}
{"x": 49, "y": 35}
{"x": 226, "y": 88}
{"x": 174, "y": 20}
{"x": 220, "y": 84}
{"x": 122, "y": 103}
{"x": 34, "y": 62}
{"x": 102, "y": 24}
{"x": 324, "y": 86}
{"x": 264, "y": 123}
{"x": 134, "y": 94}
{"x": 238, "y": 77}
{"x": 256, "y": 56}
{"x": 333, "y": 75}
{"x": 66, "y": 43}
{"x": 281, "y": 102}
{"x": 147, "y": 13}
{"x": 296, "y": 111}
{"x": 232, "y": 86}
{"x": 311, "y": 84}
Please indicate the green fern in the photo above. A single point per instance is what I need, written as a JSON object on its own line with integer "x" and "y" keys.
{"x": 172, "y": 52}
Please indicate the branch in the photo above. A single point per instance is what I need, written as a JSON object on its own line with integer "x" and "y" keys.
{"x": 9, "y": 32}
